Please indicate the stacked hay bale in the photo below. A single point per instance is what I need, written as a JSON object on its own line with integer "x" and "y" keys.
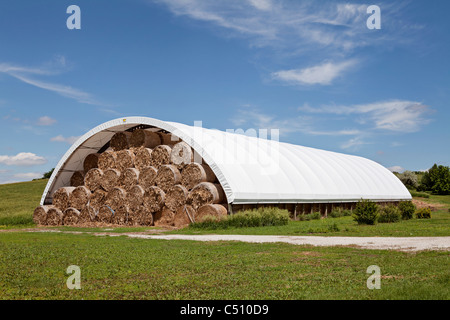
{"x": 144, "y": 178}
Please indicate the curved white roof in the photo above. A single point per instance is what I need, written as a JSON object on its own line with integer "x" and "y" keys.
{"x": 253, "y": 170}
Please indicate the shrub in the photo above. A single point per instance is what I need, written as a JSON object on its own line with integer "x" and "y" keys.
{"x": 409, "y": 179}
{"x": 337, "y": 213}
{"x": 366, "y": 212}
{"x": 310, "y": 216}
{"x": 419, "y": 194}
{"x": 423, "y": 213}
{"x": 261, "y": 217}
{"x": 407, "y": 209}
{"x": 389, "y": 214}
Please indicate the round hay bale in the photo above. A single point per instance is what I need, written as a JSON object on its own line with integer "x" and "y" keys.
{"x": 97, "y": 199}
{"x": 144, "y": 138}
{"x": 135, "y": 197}
{"x": 40, "y": 215}
{"x": 88, "y": 214}
{"x": 120, "y": 141}
{"x": 110, "y": 179}
{"x": 77, "y": 179}
{"x": 181, "y": 218}
{"x": 164, "y": 217}
{"x": 160, "y": 156}
{"x": 142, "y": 217}
{"x": 168, "y": 139}
{"x": 154, "y": 199}
{"x": 195, "y": 173}
{"x": 116, "y": 198}
{"x": 61, "y": 197}
{"x": 91, "y": 161}
{"x": 142, "y": 158}
{"x": 168, "y": 175}
{"x": 93, "y": 179}
{"x": 205, "y": 193}
{"x": 176, "y": 197}
{"x": 181, "y": 154}
{"x": 120, "y": 216}
{"x": 129, "y": 178}
{"x": 107, "y": 160}
{"x": 79, "y": 197}
{"x": 71, "y": 217}
{"x": 191, "y": 213}
{"x": 147, "y": 177}
{"x": 216, "y": 210}
{"x": 125, "y": 160}
{"x": 105, "y": 214}
{"x": 54, "y": 217}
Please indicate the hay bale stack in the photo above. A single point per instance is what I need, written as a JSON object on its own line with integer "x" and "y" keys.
{"x": 105, "y": 214}
{"x": 176, "y": 197}
{"x": 195, "y": 173}
{"x": 79, "y": 197}
{"x": 129, "y": 178}
{"x": 144, "y": 138}
{"x": 142, "y": 217}
{"x": 61, "y": 197}
{"x": 91, "y": 162}
{"x": 93, "y": 179}
{"x": 107, "y": 160}
{"x": 160, "y": 156}
{"x": 168, "y": 176}
{"x": 135, "y": 197}
{"x": 97, "y": 198}
{"x": 154, "y": 199}
{"x": 164, "y": 217}
{"x": 71, "y": 217}
{"x": 205, "y": 193}
{"x": 120, "y": 141}
{"x": 216, "y": 210}
{"x": 110, "y": 179}
{"x": 181, "y": 154}
{"x": 167, "y": 138}
{"x": 181, "y": 218}
{"x": 77, "y": 179}
{"x": 120, "y": 215}
{"x": 142, "y": 158}
{"x": 147, "y": 177}
{"x": 116, "y": 198}
{"x": 125, "y": 160}
{"x": 40, "y": 215}
{"x": 54, "y": 217}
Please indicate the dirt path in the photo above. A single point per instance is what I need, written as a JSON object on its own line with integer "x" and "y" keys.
{"x": 411, "y": 244}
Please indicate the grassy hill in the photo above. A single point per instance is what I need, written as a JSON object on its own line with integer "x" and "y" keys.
{"x": 18, "y": 200}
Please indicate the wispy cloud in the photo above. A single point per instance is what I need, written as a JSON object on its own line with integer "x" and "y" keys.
{"x": 68, "y": 140}
{"x": 45, "y": 121}
{"x": 23, "y": 159}
{"x": 393, "y": 115}
{"x": 396, "y": 169}
{"x": 28, "y": 74}
{"x": 322, "y": 74}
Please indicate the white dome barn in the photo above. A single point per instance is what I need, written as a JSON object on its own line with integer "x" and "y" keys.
{"x": 253, "y": 171}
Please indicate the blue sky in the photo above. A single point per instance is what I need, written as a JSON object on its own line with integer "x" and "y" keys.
{"x": 309, "y": 68}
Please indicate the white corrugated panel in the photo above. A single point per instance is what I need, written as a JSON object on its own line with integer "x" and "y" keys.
{"x": 254, "y": 170}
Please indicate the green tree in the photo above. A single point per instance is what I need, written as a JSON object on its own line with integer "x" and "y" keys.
{"x": 47, "y": 175}
{"x": 409, "y": 179}
{"x": 437, "y": 180}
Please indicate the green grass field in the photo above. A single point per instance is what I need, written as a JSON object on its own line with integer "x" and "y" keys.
{"x": 33, "y": 266}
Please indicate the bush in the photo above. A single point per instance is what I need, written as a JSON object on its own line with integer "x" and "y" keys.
{"x": 310, "y": 216}
{"x": 389, "y": 214}
{"x": 366, "y": 212}
{"x": 437, "y": 180}
{"x": 423, "y": 213}
{"x": 407, "y": 209}
{"x": 261, "y": 217}
{"x": 419, "y": 194}
{"x": 409, "y": 179}
{"x": 337, "y": 213}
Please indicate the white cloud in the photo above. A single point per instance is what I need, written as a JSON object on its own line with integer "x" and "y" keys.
{"x": 27, "y": 175}
{"x": 68, "y": 140}
{"x": 45, "y": 121}
{"x": 23, "y": 159}
{"x": 263, "y": 5}
{"x": 396, "y": 169}
{"x": 353, "y": 143}
{"x": 322, "y": 74}
{"x": 393, "y": 115}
